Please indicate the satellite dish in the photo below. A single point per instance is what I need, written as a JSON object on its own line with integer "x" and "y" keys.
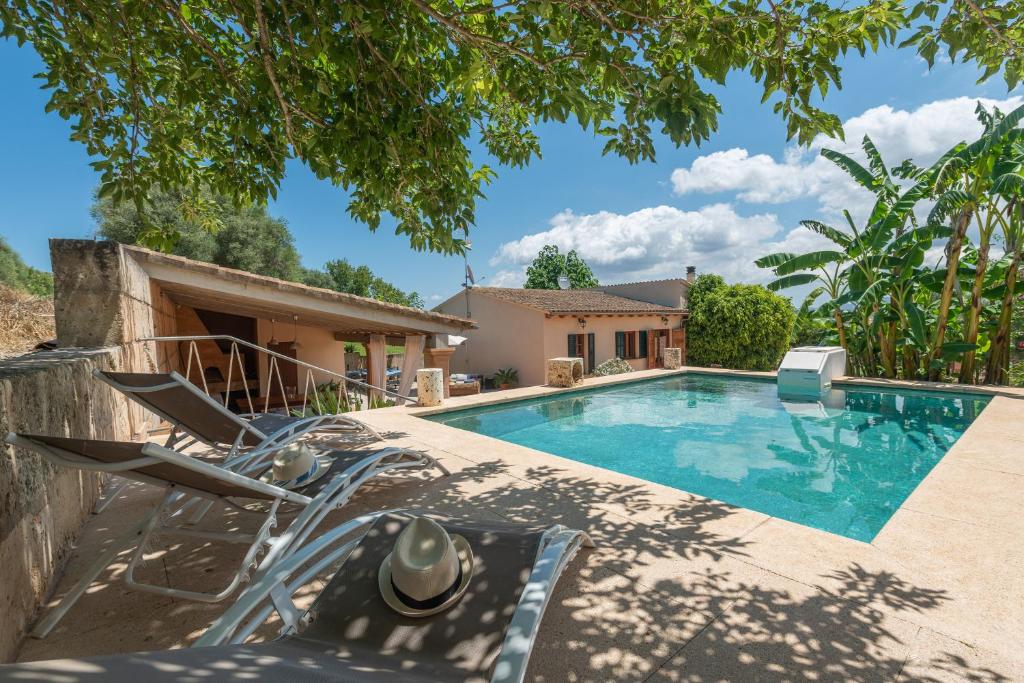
{"x": 563, "y": 281}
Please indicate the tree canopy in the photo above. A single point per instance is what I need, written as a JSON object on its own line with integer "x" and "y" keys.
{"x": 384, "y": 99}
{"x": 16, "y": 274}
{"x": 745, "y": 327}
{"x": 344, "y": 277}
{"x": 549, "y": 265}
{"x": 247, "y": 239}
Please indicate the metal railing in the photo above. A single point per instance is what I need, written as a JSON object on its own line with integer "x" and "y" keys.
{"x": 313, "y": 395}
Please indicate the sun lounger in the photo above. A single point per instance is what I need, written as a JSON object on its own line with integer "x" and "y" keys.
{"x": 191, "y": 482}
{"x": 193, "y": 413}
{"x": 349, "y": 633}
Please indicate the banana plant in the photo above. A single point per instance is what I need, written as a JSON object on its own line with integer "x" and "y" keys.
{"x": 1009, "y": 187}
{"x": 962, "y": 184}
{"x": 825, "y": 267}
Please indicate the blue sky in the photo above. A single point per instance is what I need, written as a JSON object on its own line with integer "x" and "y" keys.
{"x": 716, "y": 207}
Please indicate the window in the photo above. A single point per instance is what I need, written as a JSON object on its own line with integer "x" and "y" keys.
{"x": 631, "y": 345}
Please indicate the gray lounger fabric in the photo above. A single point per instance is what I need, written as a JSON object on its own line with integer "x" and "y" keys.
{"x": 354, "y": 635}
{"x": 183, "y": 407}
{"x": 121, "y": 451}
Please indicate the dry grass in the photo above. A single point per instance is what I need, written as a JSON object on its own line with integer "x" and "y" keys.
{"x": 25, "y": 321}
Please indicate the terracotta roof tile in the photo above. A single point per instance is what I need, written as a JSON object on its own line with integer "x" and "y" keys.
{"x": 573, "y": 300}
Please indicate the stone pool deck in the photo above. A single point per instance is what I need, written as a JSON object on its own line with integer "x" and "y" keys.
{"x": 680, "y": 587}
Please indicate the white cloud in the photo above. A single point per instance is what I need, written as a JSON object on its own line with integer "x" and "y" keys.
{"x": 507, "y": 278}
{"x": 661, "y": 241}
{"x": 922, "y": 135}
{"x": 657, "y": 242}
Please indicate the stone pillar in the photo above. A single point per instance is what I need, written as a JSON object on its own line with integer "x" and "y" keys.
{"x": 440, "y": 357}
{"x": 565, "y": 372}
{"x": 101, "y": 297}
{"x": 376, "y": 363}
{"x": 430, "y": 386}
{"x": 673, "y": 358}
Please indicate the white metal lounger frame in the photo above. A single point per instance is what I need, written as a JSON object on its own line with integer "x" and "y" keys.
{"x": 274, "y": 586}
{"x": 167, "y": 517}
{"x": 235, "y": 454}
{"x": 268, "y": 442}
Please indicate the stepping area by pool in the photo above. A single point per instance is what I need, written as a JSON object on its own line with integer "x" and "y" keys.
{"x": 682, "y": 587}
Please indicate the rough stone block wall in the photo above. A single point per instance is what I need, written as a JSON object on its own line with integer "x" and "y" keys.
{"x": 565, "y": 372}
{"x": 42, "y": 507}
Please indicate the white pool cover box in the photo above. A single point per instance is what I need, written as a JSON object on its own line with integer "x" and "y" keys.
{"x": 811, "y": 369}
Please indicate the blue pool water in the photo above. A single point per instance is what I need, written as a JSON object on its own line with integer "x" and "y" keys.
{"x": 843, "y": 464}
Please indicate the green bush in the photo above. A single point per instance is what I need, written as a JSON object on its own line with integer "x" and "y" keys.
{"x": 614, "y": 366}
{"x": 744, "y": 327}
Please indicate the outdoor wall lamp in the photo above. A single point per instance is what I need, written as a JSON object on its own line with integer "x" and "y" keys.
{"x": 294, "y": 345}
{"x": 664, "y": 320}
{"x": 582, "y": 322}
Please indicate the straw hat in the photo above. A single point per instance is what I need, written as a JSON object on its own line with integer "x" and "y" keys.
{"x": 295, "y": 466}
{"x": 427, "y": 571}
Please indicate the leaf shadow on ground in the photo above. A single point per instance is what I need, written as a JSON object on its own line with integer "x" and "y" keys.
{"x": 669, "y": 601}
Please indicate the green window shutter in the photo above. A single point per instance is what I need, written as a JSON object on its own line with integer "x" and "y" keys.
{"x": 642, "y": 352}
{"x": 620, "y": 344}
{"x": 572, "y": 346}
{"x": 590, "y": 352}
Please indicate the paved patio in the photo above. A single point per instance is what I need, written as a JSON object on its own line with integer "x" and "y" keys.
{"x": 679, "y": 588}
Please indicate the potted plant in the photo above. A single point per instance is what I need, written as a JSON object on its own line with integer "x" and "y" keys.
{"x": 506, "y": 378}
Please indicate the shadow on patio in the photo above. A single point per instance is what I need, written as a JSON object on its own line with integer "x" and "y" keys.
{"x": 675, "y": 601}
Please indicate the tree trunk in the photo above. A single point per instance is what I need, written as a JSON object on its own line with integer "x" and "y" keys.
{"x": 956, "y": 243}
{"x": 999, "y": 353}
{"x": 974, "y": 314}
{"x": 839, "y": 327}
{"x": 842, "y": 340}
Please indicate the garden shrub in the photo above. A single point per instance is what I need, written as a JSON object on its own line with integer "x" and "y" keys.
{"x": 615, "y": 366}
{"x": 744, "y": 327}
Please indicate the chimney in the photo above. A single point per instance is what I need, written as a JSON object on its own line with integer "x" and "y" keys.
{"x": 691, "y": 273}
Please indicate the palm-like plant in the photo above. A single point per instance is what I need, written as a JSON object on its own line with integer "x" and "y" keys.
{"x": 962, "y": 182}
{"x": 1009, "y": 187}
{"x": 823, "y": 267}
{"x": 894, "y": 313}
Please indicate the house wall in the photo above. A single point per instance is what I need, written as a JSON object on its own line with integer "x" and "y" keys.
{"x": 557, "y": 329}
{"x": 508, "y": 336}
{"x": 317, "y": 346}
{"x": 668, "y": 293}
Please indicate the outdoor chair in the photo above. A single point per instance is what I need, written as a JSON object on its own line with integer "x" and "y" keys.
{"x": 349, "y": 633}
{"x": 193, "y": 482}
{"x": 194, "y": 416}
{"x": 192, "y": 413}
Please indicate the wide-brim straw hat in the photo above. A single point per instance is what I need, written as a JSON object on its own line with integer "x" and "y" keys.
{"x": 428, "y": 570}
{"x": 295, "y": 466}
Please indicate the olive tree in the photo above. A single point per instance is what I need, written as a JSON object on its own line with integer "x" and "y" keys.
{"x": 385, "y": 99}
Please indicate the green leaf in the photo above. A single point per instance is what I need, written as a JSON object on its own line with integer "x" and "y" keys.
{"x": 810, "y": 260}
{"x": 791, "y": 281}
{"x": 956, "y": 348}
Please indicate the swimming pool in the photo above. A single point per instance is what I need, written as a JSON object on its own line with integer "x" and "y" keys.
{"x": 843, "y": 464}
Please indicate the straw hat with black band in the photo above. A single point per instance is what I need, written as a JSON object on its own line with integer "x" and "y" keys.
{"x": 427, "y": 571}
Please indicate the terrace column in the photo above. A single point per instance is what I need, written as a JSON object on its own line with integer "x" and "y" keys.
{"x": 376, "y": 363}
{"x": 439, "y": 356}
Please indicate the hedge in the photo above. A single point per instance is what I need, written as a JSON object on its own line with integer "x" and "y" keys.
{"x": 744, "y": 327}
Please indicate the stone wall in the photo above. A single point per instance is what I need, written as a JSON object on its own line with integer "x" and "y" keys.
{"x": 42, "y": 507}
